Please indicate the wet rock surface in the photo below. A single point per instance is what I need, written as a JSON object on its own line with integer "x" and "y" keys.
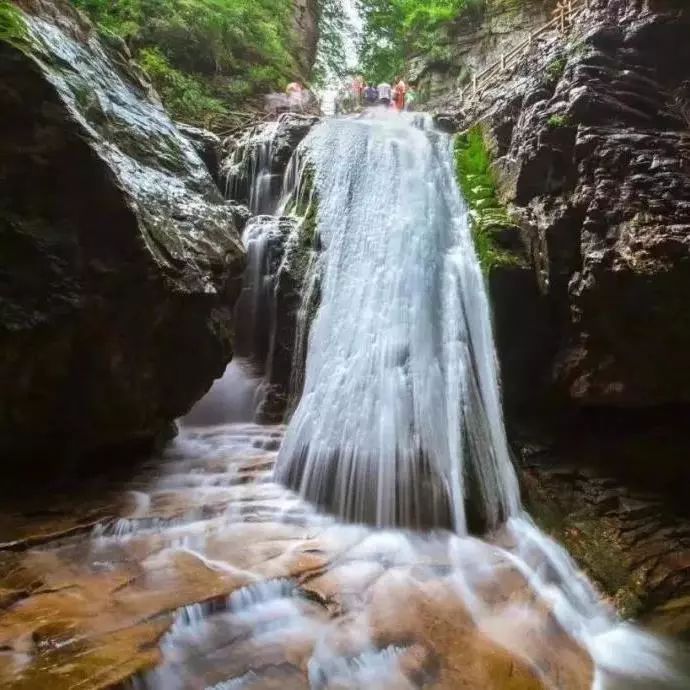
{"x": 590, "y": 139}
{"x": 265, "y": 149}
{"x": 202, "y": 571}
{"x": 631, "y": 542}
{"x": 591, "y": 152}
{"x": 121, "y": 260}
{"x": 207, "y": 144}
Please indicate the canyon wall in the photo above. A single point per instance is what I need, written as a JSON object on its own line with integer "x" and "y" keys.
{"x": 589, "y": 143}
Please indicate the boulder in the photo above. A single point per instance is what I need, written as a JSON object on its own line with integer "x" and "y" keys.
{"x": 121, "y": 261}
{"x": 207, "y": 145}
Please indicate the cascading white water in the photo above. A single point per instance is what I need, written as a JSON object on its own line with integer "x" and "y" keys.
{"x": 237, "y": 396}
{"x": 401, "y": 369}
{"x": 251, "y": 166}
{"x": 400, "y": 409}
{"x": 400, "y": 418}
{"x": 240, "y": 393}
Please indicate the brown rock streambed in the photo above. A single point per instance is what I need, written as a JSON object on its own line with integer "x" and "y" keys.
{"x": 203, "y": 573}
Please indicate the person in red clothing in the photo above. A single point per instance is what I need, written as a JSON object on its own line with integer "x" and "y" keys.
{"x": 399, "y": 92}
{"x": 357, "y": 90}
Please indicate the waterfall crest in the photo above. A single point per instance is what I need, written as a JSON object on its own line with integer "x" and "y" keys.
{"x": 399, "y": 422}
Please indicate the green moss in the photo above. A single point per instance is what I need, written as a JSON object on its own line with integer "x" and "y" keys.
{"x": 12, "y": 27}
{"x": 594, "y": 543}
{"x": 306, "y": 209}
{"x": 489, "y": 216}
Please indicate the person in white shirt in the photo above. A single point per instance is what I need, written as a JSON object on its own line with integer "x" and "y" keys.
{"x": 385, "y": 93}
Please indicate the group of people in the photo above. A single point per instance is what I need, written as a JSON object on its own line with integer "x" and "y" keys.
{"x": 399, "y": 96}
{"x": 356, "y": 95}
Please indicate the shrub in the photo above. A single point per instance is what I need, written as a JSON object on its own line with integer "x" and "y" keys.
{"x": 12, "y": 27}
{"x": 556, "y": 121}
{"x": 205, "y": 56}
{"x": 555, "y": 69}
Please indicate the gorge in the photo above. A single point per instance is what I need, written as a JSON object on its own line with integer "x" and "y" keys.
{"x": 344, "y": 507}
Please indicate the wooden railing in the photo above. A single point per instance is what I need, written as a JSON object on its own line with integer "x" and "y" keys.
{"x": 564, "y": 16}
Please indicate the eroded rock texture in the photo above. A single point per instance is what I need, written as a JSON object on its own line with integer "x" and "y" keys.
{"x": 594, "y": 155}
{"x": 254, "y": 169}
{"x": 120, "y": 259}
{"x": 590, "y": 139}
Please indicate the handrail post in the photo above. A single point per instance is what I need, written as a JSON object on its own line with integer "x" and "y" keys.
{"x": 528, "y": 44}
{"x": 564, "y": 14}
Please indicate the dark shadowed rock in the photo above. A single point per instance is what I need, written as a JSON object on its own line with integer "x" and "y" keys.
{"x": 207, "y": 145}
{"x": 594, "y": 160}
{"x": 120, "y": 260}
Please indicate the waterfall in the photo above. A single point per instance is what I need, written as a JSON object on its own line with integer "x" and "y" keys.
{"x": 248, "y": 171}
{"x": 400, "y": 418}
{"x": 398, "y": 424}
{"x": 251, "y": 388}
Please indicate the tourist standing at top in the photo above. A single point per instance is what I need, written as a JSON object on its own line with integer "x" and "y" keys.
{"x": 399, "y": 93}
{"x": 371, "y": 94}
{"x": 385, "y": 93}
{"x": 295, "y": 95}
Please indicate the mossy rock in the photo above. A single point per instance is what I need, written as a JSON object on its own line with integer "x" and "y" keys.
{"x": 12, "y": 26}
{"x": 488, "y": 215}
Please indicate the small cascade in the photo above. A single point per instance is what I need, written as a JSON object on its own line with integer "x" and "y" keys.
{"x": 249, "y": 171}
{"x": 271, "y": 317}
{"x": 238, "y": 395}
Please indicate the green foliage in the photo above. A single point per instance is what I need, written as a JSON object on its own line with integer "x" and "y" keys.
{"x": 395, "y": 30}
{"x": 473, "y": 168}
{"x": 555, "y": 69}
{"x": 185, "y": 96}
{"x": 12, "y": 27}
{"x": 205, "y": 56}
{"x": 556, "y": 121}
{"x": 333, "y": 25}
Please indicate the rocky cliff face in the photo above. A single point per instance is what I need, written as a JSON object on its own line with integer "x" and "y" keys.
{"x": 590, "y": 144}
{"x": 307, "y": 29}
{"x": 590, "y": 147}
{"x": 476, "y": 39}
{"x": 120, "y": 258}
